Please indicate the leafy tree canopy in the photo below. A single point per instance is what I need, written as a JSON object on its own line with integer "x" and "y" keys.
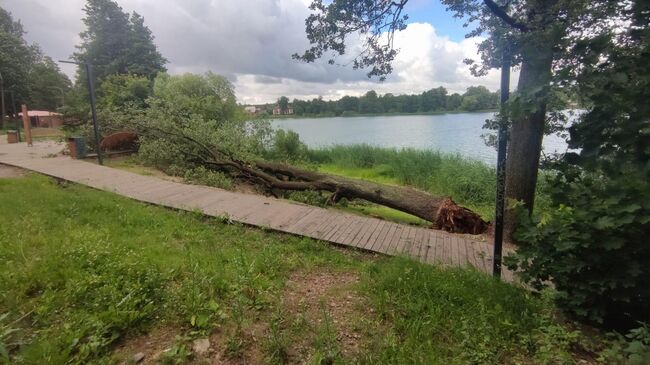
{"x": 124, "y": 90}
{"x": 116, "y": 43}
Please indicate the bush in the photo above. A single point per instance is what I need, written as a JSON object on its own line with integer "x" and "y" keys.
{"x": 287, "y": 146}
{"x": 592, "y": 243}
{"x": 203, "y": 176}
{"x": 631, "y": 349}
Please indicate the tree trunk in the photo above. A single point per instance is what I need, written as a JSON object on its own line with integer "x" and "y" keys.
{"x": 441, "y": 211}
{"x": 527, "y": 131}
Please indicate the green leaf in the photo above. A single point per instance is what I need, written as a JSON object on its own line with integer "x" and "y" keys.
{"x": 604, "y": 222}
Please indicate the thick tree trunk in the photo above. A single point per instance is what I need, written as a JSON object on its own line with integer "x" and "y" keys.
{"x": 441, "y": 211}
{"x": 527, "y": 131}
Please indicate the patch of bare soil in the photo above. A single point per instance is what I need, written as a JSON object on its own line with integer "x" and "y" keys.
{"x": 246, "y": 188}
{"x": 7, "y": 172}
{"x": 325, "y": 298}
{"x": 317, "y": 299}
{"x": 152, "y": 345}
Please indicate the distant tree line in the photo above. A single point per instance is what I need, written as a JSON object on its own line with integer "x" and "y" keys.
{"x": 434, "y": 100}
{"x": 27, "y": 76}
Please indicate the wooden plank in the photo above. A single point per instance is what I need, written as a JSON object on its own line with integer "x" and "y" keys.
{"x": 478, "y": 264}
{"x": 388, "y": 238}
{"x": 455, "y": 251}
{"x": 408, "y": 240}
{"x": 485, "y": 253}
{"x": 364, "y": 240}
{"x": 319, "y": 230}
{"x": 333, "y": 226}
{"x": 431, "y": 253}
{"x": 419, "y": 237}
{"x": 372, "y": 238}
{"x": 342, "y": 232}
{"x": 358, "y": 240}
{"x": 471, "y": 260}
{"x": 348, "y": 237}
{"x": 446, "y": 253}
{"x": 426, "y": 247}
{"x": 378, "y": 238}
{"x": 342, "y": 228}
{"x": 280, "y": 221}
{"x": 402, "y": 241}
{"x": 393, "y": 243}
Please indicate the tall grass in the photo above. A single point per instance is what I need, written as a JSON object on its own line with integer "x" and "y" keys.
{"x": 469, "y": 182}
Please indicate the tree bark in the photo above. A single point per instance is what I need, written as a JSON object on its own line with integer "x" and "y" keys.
{"x": 441, "y": 211}
{"x": 527, "y": 130}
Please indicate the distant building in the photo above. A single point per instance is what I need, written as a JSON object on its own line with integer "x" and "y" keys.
{"x": 44, "y": 119}
{"x": 253, "y": 109}
{"x": 278, "y": 111}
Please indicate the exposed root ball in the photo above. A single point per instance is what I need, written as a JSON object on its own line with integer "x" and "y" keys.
{"x": 453, "y": 218}
{"x": 119, "y": 141}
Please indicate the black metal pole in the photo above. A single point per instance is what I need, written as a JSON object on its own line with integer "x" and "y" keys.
{"x": 91, "y": 91}
{"x": 2, "y": 93}
{"x": 15, "y": 114}
{"x": 501, "y": 165}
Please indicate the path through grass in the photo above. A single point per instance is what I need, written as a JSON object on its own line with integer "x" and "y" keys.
{"x": 91, "y": 277}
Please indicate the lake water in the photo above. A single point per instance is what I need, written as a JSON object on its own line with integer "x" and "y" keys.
{"x": 451, "y": 133}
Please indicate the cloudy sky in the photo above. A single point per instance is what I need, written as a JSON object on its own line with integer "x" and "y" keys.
{"x": 251, "y": 42}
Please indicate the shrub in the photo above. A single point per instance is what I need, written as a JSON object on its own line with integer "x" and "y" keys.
{"x": 287, "y": 146}
{"x": 631, "y": 349}
{"x": 203, "y": 176}
{"x": 592, "y": 243}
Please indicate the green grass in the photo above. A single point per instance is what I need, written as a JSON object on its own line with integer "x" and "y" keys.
{"x": 469, "y": 182}
{"x": 82, "y": 270}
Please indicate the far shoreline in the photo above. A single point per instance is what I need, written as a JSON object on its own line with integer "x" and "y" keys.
{"x": 321, "y": 116}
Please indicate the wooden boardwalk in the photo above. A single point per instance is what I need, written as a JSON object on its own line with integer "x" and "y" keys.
{"x": 425, "y": 245}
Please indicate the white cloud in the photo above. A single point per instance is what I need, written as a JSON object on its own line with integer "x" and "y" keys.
{"x": 251, "y": 42}
{"x": 426, "y": 60}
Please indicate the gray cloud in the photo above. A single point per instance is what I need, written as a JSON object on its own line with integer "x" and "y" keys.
{"x": 251, "y": 42}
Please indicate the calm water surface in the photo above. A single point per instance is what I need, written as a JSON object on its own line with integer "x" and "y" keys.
{"x": 451, "y": 133}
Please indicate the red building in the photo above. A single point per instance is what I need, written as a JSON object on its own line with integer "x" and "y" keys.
{"x": 44, "y": 119}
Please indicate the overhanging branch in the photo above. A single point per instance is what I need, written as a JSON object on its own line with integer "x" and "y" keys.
{"x": 501, "y": 13}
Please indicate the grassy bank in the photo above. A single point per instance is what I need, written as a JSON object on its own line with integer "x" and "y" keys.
{"x": 469, "y": 182}
{"x": 91, "y": 277}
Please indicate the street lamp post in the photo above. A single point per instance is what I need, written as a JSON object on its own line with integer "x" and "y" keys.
{"x": 2, "y": 96}
{"x": 91, "y": 91}
{"x": 14, "y": 113}
{"x": 501, "y": 165}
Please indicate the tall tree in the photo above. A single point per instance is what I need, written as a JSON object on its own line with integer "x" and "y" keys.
{"x": 116, "y": 43}
{"x": 283, "y": 104}
{"x": 590, "y": 241}
{"x": 142, "y": 55}
{"x": 48, "y": 85}
{"x": 15, "y": 58}
{"x": 32, "y": 77}
{"x": 532, "y": 30}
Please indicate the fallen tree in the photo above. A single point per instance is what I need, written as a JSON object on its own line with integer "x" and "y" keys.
{"x": 273, "y": 176}
{"x": 193, "y": 123}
